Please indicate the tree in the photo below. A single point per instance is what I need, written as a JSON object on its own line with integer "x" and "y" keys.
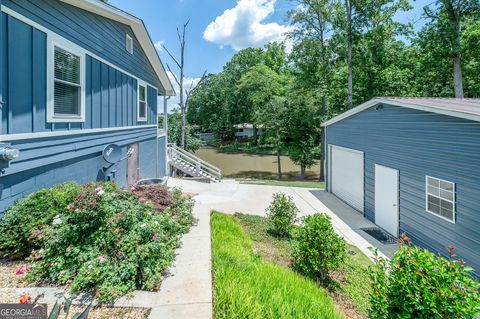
{"x": 180, "y": 63}
{"x": 265, "y": 90}
{"x": 448, "y": 16}
{"x": 192, "y": 143}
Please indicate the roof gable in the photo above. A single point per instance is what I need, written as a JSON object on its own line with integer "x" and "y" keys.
{"x": 139, "y": 29}
{"x": 461, "y": 108}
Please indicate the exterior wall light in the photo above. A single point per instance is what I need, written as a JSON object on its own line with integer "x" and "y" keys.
{"x": 8, "y": 153}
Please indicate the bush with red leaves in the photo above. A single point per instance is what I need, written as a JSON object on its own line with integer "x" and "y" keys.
{"x": 158, "y": 195}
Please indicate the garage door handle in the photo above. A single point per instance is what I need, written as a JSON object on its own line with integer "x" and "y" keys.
{"x": 394, "y": 205}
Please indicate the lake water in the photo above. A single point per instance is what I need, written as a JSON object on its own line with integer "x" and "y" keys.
{"x": 247, "y": 165}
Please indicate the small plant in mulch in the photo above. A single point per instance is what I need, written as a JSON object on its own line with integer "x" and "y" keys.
{"x": 282, "y": 213}
{"x": 96, "y": 237}
{"x": 317, "y": 250}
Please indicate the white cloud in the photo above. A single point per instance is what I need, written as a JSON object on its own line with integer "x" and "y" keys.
{"x": 243, "y": 26}
{"x": 159, "y": 45}
{"x": 174, "y": 101}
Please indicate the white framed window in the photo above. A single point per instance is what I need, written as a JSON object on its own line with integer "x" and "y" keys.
{"x": 440, "y": 198}
{"x": 142, "y": 108}
{"x": 66, "y": 82}
{"x": 129, "y": 43}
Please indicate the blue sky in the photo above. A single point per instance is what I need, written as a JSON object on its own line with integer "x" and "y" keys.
{"x": 219, "y": 28}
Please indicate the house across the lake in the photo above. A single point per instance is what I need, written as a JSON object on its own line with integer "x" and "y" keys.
{"x": 77, "y": 76}
{"x": 247, "y": 130}
{"x": 412, "y": 165}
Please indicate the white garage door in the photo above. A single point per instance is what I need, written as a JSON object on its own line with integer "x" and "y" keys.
{"x": 347, "y": 175}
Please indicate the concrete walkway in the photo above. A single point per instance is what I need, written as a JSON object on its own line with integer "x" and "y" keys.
{"x": 187, "y": 293}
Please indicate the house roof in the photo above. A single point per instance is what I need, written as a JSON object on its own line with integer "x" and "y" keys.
{"x": 138, "y": 27}
{"x": 246, "y": 125}
{"x": 462, "y": 108}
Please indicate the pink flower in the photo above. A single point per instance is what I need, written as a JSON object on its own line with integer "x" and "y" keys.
{"x": 155, "y": 238}
{"x": 22, "y": 270}
{"x": 132, "y": 188}
{"x": 36, "y": 256}
{"x": 99, "y": 190}
{"x": 142, "y": 200}
{"x": 101, "y": 259}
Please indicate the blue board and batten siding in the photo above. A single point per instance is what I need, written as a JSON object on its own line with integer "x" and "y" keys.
{"x": 111, "y": 95}
{"x": 99, "y": 35}
{"x": 417, "y": 144}
{"x": 52, "y": 153}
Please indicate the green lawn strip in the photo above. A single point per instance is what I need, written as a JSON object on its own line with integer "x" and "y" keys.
{"x": 246, "y": 286}
{"x": 352, "y": 278}
{"x": 305, "y": 184}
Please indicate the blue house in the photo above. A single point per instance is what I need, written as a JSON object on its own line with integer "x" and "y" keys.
{"x": 412, "y": 165}
{"x": 76, "y": 76}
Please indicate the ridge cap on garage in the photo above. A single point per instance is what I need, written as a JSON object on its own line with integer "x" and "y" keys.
{"x": 462, "y": 108}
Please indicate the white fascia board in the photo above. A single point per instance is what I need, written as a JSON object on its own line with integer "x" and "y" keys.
{"x": 376, "y": 101}
{"x": 108, "y": 11}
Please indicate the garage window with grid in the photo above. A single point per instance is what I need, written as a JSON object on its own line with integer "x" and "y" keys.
{"x": 440, "y": 198}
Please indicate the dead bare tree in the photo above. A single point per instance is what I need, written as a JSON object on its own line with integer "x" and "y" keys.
{"x": 180, "y": 63}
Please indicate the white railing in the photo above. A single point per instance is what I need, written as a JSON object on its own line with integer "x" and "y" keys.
{"x": 174, "y": 152}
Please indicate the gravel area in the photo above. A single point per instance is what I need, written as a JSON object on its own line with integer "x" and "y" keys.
{"x": 99, "y": 312}
{"x": 8, "y": 278}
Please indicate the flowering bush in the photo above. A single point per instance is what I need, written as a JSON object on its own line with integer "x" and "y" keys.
{"x": 24, "y": 226}
{"x": 107, "y": 240}
{"x": 419, "y": 284}
{"x": 158, "y": 195}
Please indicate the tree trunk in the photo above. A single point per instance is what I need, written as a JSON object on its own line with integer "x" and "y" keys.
{"x": 302, "y": 171}
{"x": 279, "y": 165}
{"x": 322, "y": 156}
{"x": 255, "y": 135}
{"x": 457, "y": 63}
{"x": 322, "y": 142}
{"x": 348, "y": 11}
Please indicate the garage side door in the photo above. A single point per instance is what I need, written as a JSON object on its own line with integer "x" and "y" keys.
{"x": 347, "y": 175}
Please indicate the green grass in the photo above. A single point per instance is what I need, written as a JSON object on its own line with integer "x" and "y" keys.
{"x": 352, "y": 278}
{"x": 305, "y": 184}
{"x": 246, "y": 286}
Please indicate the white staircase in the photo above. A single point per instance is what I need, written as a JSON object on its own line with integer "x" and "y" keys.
{"x": 191, "y": 165}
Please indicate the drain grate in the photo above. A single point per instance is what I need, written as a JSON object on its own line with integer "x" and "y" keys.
{"x": 380, "y": 235}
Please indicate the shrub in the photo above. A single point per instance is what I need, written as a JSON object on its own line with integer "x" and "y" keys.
{"x": 158, "y": 195}
{"x": 108, "y": 241}
{"x": 317, "y": 249}
{"x": 23, "y": 227}
{"x": 282, "y": 213}
{"x": 419, "y": 284}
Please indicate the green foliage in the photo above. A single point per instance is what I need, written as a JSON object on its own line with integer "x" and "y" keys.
{"x": 102, "y": 238}
{"x": 245, "y": 286}
{"x": 192, "y": 143}
{"x": 282, "y": 213}
{"x": 317, "y": 249}
{"x": 419, "y": 284}
{"x": 24, "y": 225}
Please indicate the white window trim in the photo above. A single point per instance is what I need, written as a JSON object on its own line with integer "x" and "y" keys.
{"x": 142, "y": 119}
{"x": 454, "y": 208}
{"x": 127, "y": 39}
{"x": 57, "y": 41}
